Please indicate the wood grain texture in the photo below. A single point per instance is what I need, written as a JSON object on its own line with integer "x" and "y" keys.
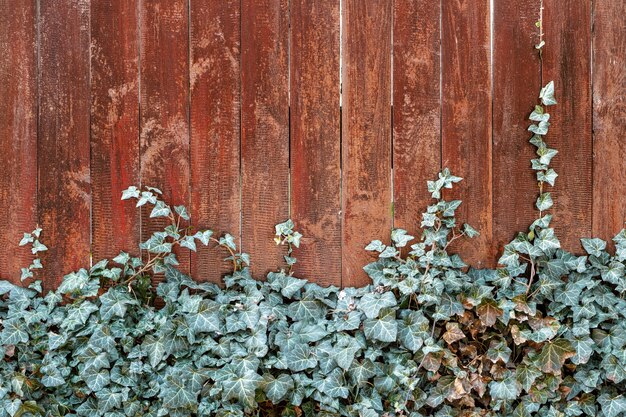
{"x": 315, "y": 139}
{"x": 466, "y": 120}
{"x": 164, "y": 103}
{"x": 609, "y": 118}
{"x": 264, "y": 129}
{"x": 114, "y": 126}
{"x": 416, "y": 109}
{"x": 566, "y": 60}
{"x": 18, "y": 132}
{"x": 64, "y": 195}
{"x": 366, "y": 125}
{"x": 516, "y": 83}
{"x": 215, "y": 124}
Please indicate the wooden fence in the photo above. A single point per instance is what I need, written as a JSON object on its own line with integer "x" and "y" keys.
{"x": 234, "y": 108}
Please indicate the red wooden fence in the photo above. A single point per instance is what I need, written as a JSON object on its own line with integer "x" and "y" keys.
{"x": 331, "y": 112}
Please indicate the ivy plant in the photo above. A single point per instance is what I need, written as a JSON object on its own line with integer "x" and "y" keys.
{"x": 544, "y": 334}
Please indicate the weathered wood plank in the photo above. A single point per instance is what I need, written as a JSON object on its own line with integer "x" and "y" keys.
{"x": 516, "y": 83}
{"x": 315, "y": 139}
{"x": 264, "y": 129}
{"x": 366, "y": 126}
{"x": 164, "y": 97}
{"x": 609, "y": 116}
{"x": 566, "y": 60}
{"x": 466, "y": 119}
{"x": 215, "y": 124}
{"x": 18, "y": 132}
{"x": 114, "y": 125}
{"x": 416, "y": 109}
{"x": 64, "y": 195}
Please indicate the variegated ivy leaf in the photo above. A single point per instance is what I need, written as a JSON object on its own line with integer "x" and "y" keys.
{"x": 544, "y": 202}
{"x": 182, "y": 212}
{"x": 28, "y": 238}
{"x": 146, "y": 197}
{"x": 130, "y": 192}
{"x": 38, "y": 247}
{"x": 547, "y": 94}
{"x": 160, "y": 209}
{"x": 613, "y": 404}
{"x": 228, "y": 241}
{"x": 593, "y": 246}
{"x": 400, "y": 237}
{"x": 371, "y": 303}
{"x": 505, "y": 389}
{"x": 277, "y": 388}
{"x": 546, "y": 155}
{"x": 204, "y": 236}
{"x": 548, "y": 176}
{"x": 554, "y": 354}
{"x": 375, "y": 245}
{"x": 189, "y": 243}
{"x": 384, "y": 328}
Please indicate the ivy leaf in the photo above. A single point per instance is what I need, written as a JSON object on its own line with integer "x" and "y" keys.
{"x": 375, "y": 245}
{"x": 277, "y": 388}
{"x": 96, "y": 379}
{"x": 130, "y": 192}
{"x": 115, "y": 303}
{"x": 553, "y": 355}
{"x": 189, "y": 243}
{"x": 384, "y": 328}
{"x": 548, "y": 176}
{"x": 544, "y": 202}
{"x": 300, "y": 357}
{"x": 28, "y": 238}
{"x": 38, "y": 247}
{"x": 160, "y": 209}
{"x": 182, "y": 212}
{"x": 547, "y": 94}
{"x": 488, "y": 312}
{"x": 371, "y": 303}
{"x": 594, "y": 246}
{"x": 612, "y": 405}
{"x": 204, "y": 236}
{"x": 400, "y": 237}
{"x": 154, "y": 348}
{"x": 176, "y": 394}
{"x": 506, "y": 389}
{"x": 242, "y": 388}
{"x": 206, "y": 318}
{"x": 526, "y": 376}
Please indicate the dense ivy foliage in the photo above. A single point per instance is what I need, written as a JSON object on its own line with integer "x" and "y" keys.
{"x": 542, "y": 335}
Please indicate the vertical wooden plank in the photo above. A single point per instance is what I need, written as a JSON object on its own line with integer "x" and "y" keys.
{"x": 264, "y": 129}
{"x": 366, "y": 125}
{"x": 114, "y": 125}
{"x": 18, "y": 132}
{"x": 516, "y": 83}
{"x": 315, "y": 138}
{"x": 164, "y": 137}
{"x": 566, "y": 60}
{"x": 466, "y": 119}
{"x": 215, "y": 124}
{"x": 609, "y": 114}
{"x": 416, "y": 108}
{"x": 64, "y": 197}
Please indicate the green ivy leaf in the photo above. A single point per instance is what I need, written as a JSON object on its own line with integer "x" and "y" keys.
{"x": 553, "y": 355}
{"x": 384, "y": 328}
{"x": 594, "y": 246}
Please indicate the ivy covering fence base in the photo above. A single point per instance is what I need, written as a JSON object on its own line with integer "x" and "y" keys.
{"x": 542, "y": 335}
